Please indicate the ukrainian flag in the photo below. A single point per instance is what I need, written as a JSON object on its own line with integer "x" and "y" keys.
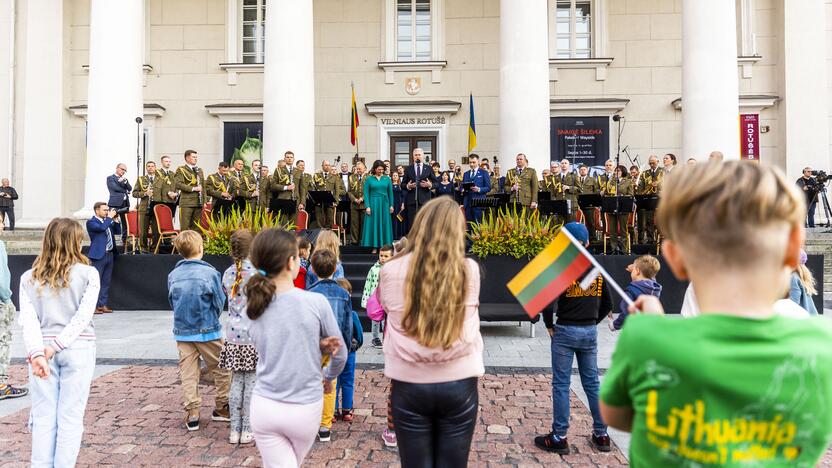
{"x": 472, "y": 128}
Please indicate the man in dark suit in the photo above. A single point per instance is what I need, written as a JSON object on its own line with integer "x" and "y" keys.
{"x": 482, "y": 185}
{"x": 102, "y": 229}
{"x": 120, "y": 189}
{"x": 417, "y": 181}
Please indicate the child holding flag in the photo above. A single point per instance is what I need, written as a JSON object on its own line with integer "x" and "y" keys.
{"x": 579, "y": 310}
{"x": 738, "y": 384}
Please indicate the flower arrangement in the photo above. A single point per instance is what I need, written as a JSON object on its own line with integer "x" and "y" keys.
{"x": 511, "y": 232}
{"x": 219, "y": 227}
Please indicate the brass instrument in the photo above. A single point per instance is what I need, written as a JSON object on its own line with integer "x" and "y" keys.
{"x": 511, "y": 179}
{"x": 652, "y": 187}
{"x": 218, "y": 185}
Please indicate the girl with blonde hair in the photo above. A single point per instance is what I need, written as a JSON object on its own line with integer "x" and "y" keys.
{"x": 57, "y": 302}
{"x": 433, "y": 348}
{"x": 802, "y": 286}
{"x": 327, "y": 240}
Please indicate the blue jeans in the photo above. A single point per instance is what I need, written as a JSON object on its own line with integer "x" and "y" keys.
{"x": 58, "y": 404}
{"x": 346, "y": 384}
{"x": 582, "y": 342}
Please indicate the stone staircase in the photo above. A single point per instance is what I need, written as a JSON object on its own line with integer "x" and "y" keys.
{"x": 818, "y": 241}
{"x": 22, "y": 241}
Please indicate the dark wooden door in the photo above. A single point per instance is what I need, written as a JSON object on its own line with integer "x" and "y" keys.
{"x": 401, "y": 148}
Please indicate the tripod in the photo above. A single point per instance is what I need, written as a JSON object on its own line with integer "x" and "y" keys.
{"x": 824, "y": 200}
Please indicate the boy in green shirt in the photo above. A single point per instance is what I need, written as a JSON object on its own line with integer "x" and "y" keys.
{"x": 738, "y": 385}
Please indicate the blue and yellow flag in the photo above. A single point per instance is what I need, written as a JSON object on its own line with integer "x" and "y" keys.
{"x": 472, "y": 128}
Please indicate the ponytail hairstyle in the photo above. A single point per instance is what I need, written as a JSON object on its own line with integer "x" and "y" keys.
{"x": 808, "y": 280}
{"x": 240, "y": 245}
{"x": 270, "y": 253}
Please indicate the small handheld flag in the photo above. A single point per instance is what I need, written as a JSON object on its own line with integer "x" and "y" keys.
{"x": 551, "y": 272}
{"x": 472, "y": 128}
{"x": 354, "y": 121}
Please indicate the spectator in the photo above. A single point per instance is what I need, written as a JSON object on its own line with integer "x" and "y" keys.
{"x": 433, "y": 348}
{"x": 196, "y": 297}
{"x": 802, "y": 286}
{"x": 809, "y": 186}
{"x": 57, "y": 301}
{"x": 384, "y": 255}
{"x": 574, "y": 336}
{"x": 739, "y": 366}
{"x": 7, "y": 311}
{"x": 7, "y": 197}
{"x": 643, "y": 273}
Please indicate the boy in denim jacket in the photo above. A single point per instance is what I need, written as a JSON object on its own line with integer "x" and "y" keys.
{"x": 196, "y": 297}
{"x": 324, "y": 263}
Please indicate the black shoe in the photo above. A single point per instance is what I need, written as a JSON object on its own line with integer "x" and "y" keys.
{"x": 376, "y": 343}
{"x": 549, "y": 444}
{"x": 192, "y": 420}
{"x": 324, "y": 435}
{"x": 601, "y": 443}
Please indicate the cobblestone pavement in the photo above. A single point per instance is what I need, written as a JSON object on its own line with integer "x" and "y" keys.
{"x": 134, "y": 417}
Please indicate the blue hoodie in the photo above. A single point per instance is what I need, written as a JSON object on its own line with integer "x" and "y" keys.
{"x": 635, "y": 289}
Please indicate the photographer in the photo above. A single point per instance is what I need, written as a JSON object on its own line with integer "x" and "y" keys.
{"x": 102, "y": 229}
{"x": 120, "y": 188}
{"x": 809, "y": 185}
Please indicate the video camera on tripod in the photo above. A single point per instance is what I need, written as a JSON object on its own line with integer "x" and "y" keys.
{"x": 821, "y": 179}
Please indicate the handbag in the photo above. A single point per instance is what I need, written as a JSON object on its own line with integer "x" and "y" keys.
{"x": 374, "y": 309}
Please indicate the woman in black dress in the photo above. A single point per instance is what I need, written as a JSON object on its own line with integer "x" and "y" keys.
{"x": 398, "y": 207}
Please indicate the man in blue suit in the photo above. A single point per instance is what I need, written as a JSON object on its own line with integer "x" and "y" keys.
{"x": 482, "y": 185}
{"x": 119, "y": 188}
{"x": 102, "y": 229}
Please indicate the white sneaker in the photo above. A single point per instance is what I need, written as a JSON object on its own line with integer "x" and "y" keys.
{"x": 246, "y": 437}
{"x": 234, "y": 437}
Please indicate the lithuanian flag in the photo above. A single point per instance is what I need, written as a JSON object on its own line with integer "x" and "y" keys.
{"x": 354, "y": 121}
{"x": 472, "y": 127}
{"x": 549, "y": 274}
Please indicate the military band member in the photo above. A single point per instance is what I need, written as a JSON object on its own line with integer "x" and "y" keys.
{"x": 568, "y": 181}
{"x": 649, "y": 183}
{"x": 604, "y": 178}
{"x": 164, "y": 187}
{"x": 619, "y": 184}
{"x": 521, "y": 183}
{"x": 262, "y": 185}
{"x": 355, "y": 193}
{"x": 189, "y": 181}
{"x": 283, "y": 184}
{"x": 246, "y": 183}
{"x": 143, "y": 191}
{"x": 304, "y": 183}
{"x": 221, "y": 187}
{"x": 328, "y": 181}
{"x": 552, "y": 183}
{"x": 497, "y": 181}
{"x": 542, "y": 182}
{"x": 587, "y": 185}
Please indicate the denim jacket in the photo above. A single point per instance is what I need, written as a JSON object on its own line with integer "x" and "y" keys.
{"x": 196, "y": 296}
{"x": 341, "y": 303}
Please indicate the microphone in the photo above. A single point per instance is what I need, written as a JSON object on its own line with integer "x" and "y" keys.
{"x": 139, "y": 120}
{"x": 617, "y": 117}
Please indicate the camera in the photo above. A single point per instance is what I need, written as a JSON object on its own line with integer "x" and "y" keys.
{"x": 820, "y": 176}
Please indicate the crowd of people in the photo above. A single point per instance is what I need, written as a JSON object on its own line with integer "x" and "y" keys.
{"x": 738, "y": 382}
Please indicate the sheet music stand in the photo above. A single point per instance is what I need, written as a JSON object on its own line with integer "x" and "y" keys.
{"x": 322, "y": 198}
{"x": 647, "y": 202}
{"x": 614, "y": 205}
{"x": 543, "y": 196}
{"x": 285, "y": 207}
{"x": 589, "y": 201}
{"x": 485, "y": 202}
{"x": 554, "y": 208}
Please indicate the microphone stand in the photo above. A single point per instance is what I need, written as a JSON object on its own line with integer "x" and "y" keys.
{"x": 617, "y": 118}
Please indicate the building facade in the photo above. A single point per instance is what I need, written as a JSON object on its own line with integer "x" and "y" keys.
{"x": 747, "y": 77}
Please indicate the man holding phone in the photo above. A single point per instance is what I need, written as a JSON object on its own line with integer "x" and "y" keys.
{"x": 102, "y": 229}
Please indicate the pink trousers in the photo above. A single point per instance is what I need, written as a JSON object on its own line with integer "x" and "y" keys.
{"x": 284, "y": 432}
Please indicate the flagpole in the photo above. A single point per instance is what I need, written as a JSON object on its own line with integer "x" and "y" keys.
{"x": 598, "y": 266}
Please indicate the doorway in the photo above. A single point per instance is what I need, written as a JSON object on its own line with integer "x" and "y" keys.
{"x": 402, "y": 146}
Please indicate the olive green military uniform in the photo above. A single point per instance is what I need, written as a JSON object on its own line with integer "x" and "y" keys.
{"x": 527, "y": 182}
{"x": 649, "y": 183}
{"x": 265, "y": 191}
{"x": 355, "y": 192}
{"x": 163, "y": 185}
{"x": 304, "y": 184}
{"x": 588, "y": 185}
{"x": 618, "y": 222}
{"x": 246, "y": 190}
{"x": 190, "y": 202}
{"x": 143, "y": 185}
{"x": 568, "y": 183}
{"x": 325, "y": 215}
{"x": 215, "y": 185}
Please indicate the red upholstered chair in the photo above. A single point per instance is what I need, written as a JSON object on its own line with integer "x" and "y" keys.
{"x": 596, "y": 221}
{"x": 132, "y": 231}
{"x": 302, "y": 221}
{"x": 338, "y": 227}
{"x": 205, "y": 215}
{"x": 164, "y": 224}
{"x": 579, "y": 216}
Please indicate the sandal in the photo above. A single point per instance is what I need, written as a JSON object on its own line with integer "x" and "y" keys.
{"x": 7, "y": 391}
{"x": 347, "y": 415}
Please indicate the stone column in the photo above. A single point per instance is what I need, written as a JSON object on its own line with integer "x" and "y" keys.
{"x": 710, "y": 93}
{"x": 803, "y": 112}
{"x": 289, "y": 82}
{"x": 114, "y": 94}
{"x": 524, "y": 83}
{"x": 40, "y": 182}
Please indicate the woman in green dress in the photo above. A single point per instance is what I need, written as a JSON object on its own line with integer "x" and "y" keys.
{"x": 378, "y": 197}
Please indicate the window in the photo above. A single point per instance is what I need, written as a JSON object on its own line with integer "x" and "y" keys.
{"x": 253, "y": 30}
{"x": 573, "y": 29}
{"x": 413, "y": 31}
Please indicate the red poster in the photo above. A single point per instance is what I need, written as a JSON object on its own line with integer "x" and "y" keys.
{"x": 750, "y": 137}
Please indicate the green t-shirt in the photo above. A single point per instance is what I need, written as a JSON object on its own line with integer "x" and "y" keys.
{"x": 724, "y": 390}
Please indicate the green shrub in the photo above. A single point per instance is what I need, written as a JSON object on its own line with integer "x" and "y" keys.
{"x": 219, "y": 228}
{"x": 509, "y": 232}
